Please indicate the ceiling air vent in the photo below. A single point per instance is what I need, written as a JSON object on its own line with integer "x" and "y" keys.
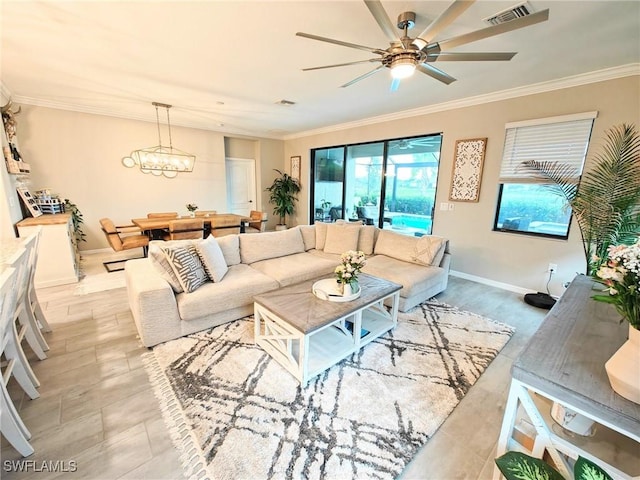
{"x": 517, "y": 11}
{"x": 286, "y": 103}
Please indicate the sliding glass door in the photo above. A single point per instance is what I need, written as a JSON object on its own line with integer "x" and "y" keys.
{"x": 390, "y": 184}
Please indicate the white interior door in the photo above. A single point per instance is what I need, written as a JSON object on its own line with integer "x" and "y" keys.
{"x": 241, "y": 185}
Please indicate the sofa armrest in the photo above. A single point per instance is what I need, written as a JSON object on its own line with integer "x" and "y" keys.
{"x": 152, "y": 302}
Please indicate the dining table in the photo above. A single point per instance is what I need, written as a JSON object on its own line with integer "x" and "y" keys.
{"x": 221, "y": 220}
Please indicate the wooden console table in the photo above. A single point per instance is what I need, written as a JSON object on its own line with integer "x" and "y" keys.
{"x": 564, "y": 363}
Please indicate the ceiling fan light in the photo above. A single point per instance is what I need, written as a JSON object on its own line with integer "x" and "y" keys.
{"x": 403, "y": 68}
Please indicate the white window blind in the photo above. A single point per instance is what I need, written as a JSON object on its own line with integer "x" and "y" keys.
{"x": 560, "y": 139}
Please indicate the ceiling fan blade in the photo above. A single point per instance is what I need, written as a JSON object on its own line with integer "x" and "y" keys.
{"x": 395, "y": 83}
{"x": 343, "y": 64}
{"x": 362, "y": 77}
{"x": 470, "y": 56}
{"x": 509, "y": 26}
{"x": 340, "y": 42}
{"x": 435, "y": 73}
{"x": 379, "y": 13}
{"x": 444, "y": 20}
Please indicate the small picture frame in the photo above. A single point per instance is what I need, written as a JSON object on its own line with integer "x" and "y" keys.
{"x": 29, "y": 202}
{"x": 295, "y": 167}
{"x": 467, "y": 170}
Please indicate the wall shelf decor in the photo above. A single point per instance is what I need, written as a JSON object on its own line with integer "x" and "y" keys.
{"x": 467, "y": 170}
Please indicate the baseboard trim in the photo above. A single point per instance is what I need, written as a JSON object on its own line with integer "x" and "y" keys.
{"x": 491, "y": 283}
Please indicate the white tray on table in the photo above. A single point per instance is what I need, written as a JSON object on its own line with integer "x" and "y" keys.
{"x": 329, "y": 289}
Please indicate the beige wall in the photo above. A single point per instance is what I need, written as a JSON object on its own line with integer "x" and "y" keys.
{"x": 78, "y": 156}
{"x": 515, "y": 260}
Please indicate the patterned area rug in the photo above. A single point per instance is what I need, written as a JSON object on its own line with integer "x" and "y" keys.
{"x": 235, "y": 413}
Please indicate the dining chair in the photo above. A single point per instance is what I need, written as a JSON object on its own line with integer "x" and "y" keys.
{"x": 205, "y": 213}
{"x": 11, "y": 425}
{"x": 123, "y": 238}
{"x": 43, "y": 324}
{"x": 162, "y": 214}
{"x": 257, "y": 223}
{"x": 221, "y": 226}
{"x": 29, "y": 329}
{"x": 185, "y": 228}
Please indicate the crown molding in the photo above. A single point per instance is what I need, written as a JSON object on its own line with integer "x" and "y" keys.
{"x": 613, "y": 73}
{"x": 39, "y": 102}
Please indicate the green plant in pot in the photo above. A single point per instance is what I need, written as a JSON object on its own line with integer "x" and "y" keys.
{"x": 520, "y": 466}
{"x": 283, "y": 196}
{"x": 606, "y": 204}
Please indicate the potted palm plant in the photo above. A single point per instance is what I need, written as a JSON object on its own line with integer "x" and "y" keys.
{"x": 606, "y": 204}
{"x": 283, "y": 195}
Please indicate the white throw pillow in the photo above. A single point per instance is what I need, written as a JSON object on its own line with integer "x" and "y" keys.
{"x": 341, "y": 238}
{"x": 212, "y": 258}
{"x": 308, "y": 236}
{"x": 187, "y": 266}
{"x": 430, "y": 250}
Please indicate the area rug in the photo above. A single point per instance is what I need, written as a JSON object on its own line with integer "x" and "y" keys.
{"x": 234, "y": 413}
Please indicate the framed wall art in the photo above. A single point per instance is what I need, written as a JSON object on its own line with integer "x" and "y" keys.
{"x": 467, "y": 170}
{"x": 29, "y": 202}
{"x": 295, "y": 167}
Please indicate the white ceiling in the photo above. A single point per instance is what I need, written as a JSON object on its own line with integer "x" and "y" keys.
{"x": 223, "y": 65}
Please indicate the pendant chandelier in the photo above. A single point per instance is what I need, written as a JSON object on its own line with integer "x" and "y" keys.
{"x": 161, "y": 160}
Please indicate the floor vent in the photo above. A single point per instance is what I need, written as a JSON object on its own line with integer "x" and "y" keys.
{"x": 517, "y": 11}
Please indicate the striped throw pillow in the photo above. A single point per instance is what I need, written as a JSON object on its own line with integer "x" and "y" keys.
{"x": 187, "y": 266}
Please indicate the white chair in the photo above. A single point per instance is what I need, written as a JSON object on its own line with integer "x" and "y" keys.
{"x": 29, "y": 329}
{"x": 11, "y": 425}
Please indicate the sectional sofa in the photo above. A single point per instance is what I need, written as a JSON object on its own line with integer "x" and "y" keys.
{"x": 245, "y": 265}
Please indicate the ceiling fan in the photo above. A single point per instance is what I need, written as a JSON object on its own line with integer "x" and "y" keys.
{"x": 406, "y": 54}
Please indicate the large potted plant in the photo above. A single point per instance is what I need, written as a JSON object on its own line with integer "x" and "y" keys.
{"x": 283, "y": 195}
{"x": 606, "y": 204}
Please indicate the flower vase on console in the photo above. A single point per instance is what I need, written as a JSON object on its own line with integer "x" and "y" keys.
{"x": 621, "y": 277}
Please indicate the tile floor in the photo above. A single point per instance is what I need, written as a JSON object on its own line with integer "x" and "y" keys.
{"x": 97, "y": 414}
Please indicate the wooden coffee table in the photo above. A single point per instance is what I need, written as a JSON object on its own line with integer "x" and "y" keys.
{"x": 307, "y": 335}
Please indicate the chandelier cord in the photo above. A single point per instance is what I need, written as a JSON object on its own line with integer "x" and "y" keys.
{"x": 169, "y": 125}
{"x": 158, "y": 124}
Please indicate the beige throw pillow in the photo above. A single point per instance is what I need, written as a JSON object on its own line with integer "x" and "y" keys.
{"x": 341, "y": 238}
{"x": 430, "y": 250}
{"x": 212, "y": 258}
{"x": 366, "y": 241}
{"x": 321, "y": 234}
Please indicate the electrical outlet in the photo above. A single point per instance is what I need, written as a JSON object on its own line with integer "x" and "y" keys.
{"x": 553, "y": 268}
{"x": 444, "y": 206}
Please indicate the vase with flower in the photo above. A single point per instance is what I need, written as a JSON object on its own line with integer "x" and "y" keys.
{"x": 620, "y": 275}
{"x": 351, "y": 264}
{"x": 192, "y": 207}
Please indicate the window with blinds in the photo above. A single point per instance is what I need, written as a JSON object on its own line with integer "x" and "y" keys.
{"x": 525, "y": 204}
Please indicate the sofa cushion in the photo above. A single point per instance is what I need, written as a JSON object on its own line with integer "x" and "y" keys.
{"x": 187, "y": 267}
{"x": 237, "y": 289}
{"x": 254, "y": 248}
{"x": 230, "y": 246}
{"x": 321, "y": 234}
{"x": 341, "y": 238}
{"x": 308, "y": 236}
{"x": 414, "y": 278}
{"x": 212, "y": 258}
{"x": 366, "y": 240}
{"x": 410, "y": 249}
{"x": 295, "y": 268}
